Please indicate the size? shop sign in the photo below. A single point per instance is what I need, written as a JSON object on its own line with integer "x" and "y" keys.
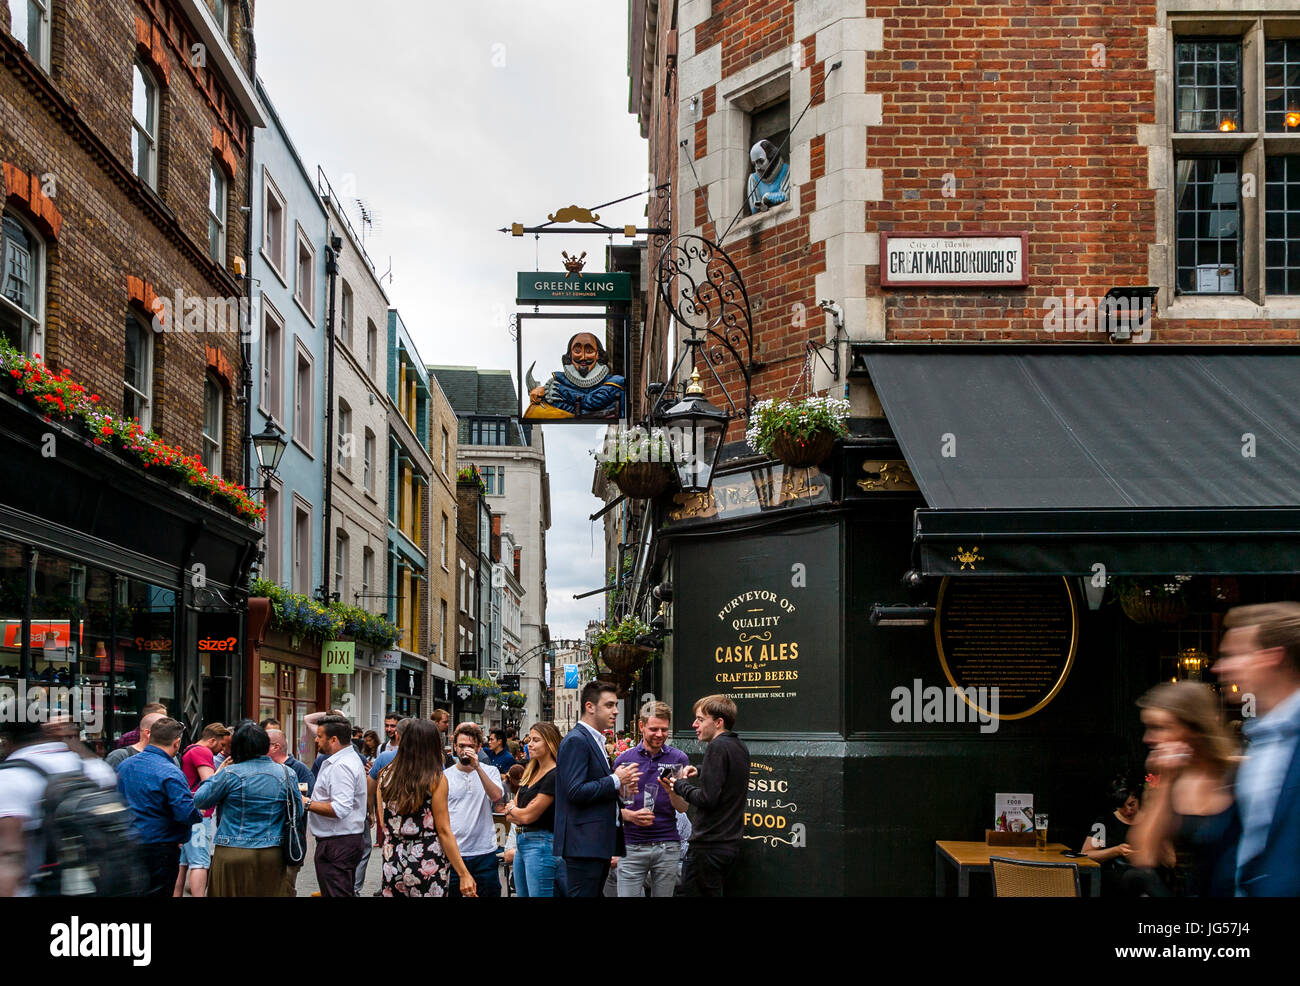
{"x": 968, "y": 260}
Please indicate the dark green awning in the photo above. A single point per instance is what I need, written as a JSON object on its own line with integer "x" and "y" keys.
{"x": 1053, "y": 459}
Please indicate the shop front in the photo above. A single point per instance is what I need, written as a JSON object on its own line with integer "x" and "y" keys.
{"x": 360, "y": 695}
{"x": 117, "y": 588}
{"x": 908, "y": 633}
{"x": 408, "y": 694}
{"x": 291, "y": 688}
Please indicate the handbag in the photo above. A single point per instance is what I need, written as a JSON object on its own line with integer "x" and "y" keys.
{"x": 291, "y": 843}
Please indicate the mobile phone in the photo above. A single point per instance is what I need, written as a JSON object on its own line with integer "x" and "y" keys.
{"x": 1072, "y": 853}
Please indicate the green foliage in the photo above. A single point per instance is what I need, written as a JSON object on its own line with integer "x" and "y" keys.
{"x": 470, "y": 474}
{"x": 624, "y": 632}
{"x": 303, "y": 616}
{"x": 799, "y": 420}
{"x": 479, "y": 687}
{"x": 635, "y": 444}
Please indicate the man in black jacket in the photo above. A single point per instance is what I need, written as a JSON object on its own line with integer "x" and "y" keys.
{"x": 718, "y": 791}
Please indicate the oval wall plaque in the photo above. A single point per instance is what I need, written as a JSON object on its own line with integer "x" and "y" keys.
{"x": 1019, "y": 635}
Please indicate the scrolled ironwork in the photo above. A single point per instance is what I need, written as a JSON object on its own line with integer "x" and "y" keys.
{"x": 701, "y": 286}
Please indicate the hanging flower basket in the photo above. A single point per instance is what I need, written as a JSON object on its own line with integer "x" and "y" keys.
{"x": 1150, "y": 602}
{"x": 642, "y": 480}
{"x": 625, "y": 658}
{"x": 621, "y": 682}
{"x": 802, "y": 453}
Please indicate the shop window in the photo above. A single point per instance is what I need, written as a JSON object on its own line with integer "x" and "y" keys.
{"x": 288, "y": 693}
{"x": 217, "y": 215}
{"x": 137, "y": 391}
{"x": 274, "y": 221}
{"x": 22, "y": 290}
{"x": 213, "y": 422}
{"x": 144, "y": 117}
{"x": 31, "y": 28}
{"x": 345, "y": 314}
{"x": 13, "y": 607}
{"x": 304, "y": 288}
{"x": 272, "y": 364}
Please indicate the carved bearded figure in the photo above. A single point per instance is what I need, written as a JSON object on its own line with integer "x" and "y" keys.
{"x": 584, "y": 388}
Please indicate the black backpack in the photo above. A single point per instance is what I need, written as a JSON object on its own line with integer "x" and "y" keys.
{"x": 90, "y": 846}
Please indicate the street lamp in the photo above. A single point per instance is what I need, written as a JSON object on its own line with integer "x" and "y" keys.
{"x": 701, "y": 427}
{"x": 269, "y": 446}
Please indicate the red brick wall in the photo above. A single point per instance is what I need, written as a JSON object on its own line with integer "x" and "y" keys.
{"x": 112, "y": 227}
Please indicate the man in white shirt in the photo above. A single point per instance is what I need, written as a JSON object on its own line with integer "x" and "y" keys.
{"x": 473, "y": 788}
{"x": 337, "y": 809}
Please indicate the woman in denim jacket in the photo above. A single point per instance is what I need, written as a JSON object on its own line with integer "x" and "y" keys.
{"x": 255, "y": 796}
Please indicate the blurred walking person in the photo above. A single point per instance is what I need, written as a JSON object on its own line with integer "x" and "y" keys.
{"x": 257, "y": 798}
{"x": 1260, "y": 654}
{"x": 1186, "y": 818}
{"x": 411, "y": 800}
{"x": 533, "y": 814}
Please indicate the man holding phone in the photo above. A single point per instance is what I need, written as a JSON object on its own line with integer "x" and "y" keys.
{"x": 473, "y": 789}
{"x": 650, "y": 823}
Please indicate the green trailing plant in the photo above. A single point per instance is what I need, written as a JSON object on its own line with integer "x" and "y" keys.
{"x": 624, "y": 632}
{"x": 479, "y": 687}
{"x": 470, "y": 474}
{"x": 799, "y": 420}
{"x": 514, "y": 700}
{"x": 302, "y": 616}
{"x": 636, "y": 444}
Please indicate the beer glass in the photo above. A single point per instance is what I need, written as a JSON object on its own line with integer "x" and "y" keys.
{"x": 1040, "y": 833}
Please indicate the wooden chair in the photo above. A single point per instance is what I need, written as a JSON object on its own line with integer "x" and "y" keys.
{"x": 1023, "y": 878}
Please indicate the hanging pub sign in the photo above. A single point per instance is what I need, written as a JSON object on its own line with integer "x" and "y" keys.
{"x": 756, "y": 621}
{"x": 1010, "y": 641}
{"x": 970, "y": 260}
{"x": 586, "y": 379}
{"x": 337, "y": 657}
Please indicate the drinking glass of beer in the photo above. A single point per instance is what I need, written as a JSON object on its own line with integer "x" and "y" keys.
{"x": 1040, "y": 833}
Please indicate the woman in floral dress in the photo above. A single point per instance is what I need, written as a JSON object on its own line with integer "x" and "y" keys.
{"x": 411, "y": 797}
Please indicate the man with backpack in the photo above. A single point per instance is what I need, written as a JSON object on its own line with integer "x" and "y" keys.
{"x": 159, "y": 797}
{"x": 62, "y": 828}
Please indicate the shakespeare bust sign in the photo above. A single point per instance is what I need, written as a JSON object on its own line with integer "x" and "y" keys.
{"x": 583, "y": 388}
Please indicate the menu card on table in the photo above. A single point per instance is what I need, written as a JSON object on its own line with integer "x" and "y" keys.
{"x": 1013, "y": 813}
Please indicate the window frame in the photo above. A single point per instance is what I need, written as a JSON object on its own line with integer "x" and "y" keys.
{"x": 301, "y": 566}
{"x": 445, "y": 521}
{"x": 372, "y": 348}
{"x": 344, "y": 429}
{"x": 341, "y": 557}
{"x": 216, "y": 441}
{"x": 368, "y": 462}
{"x": 220, "y": 218}
{"x": 276, "y": 413}
{"x": 39, "y": 267}
{"x": 347, "y": 312}
{"x": 271, "y": 191}
{"x": 307, "y": 305}
{"x": 367, "y": 573}
{"x": 146, "y": 334}
{"x": 152, "y": 87}
{"x": 304, "y": 430}
{"x": 274, "y": 539}
{"x": 446, "y": 444}
{"x": 42, "y": 55}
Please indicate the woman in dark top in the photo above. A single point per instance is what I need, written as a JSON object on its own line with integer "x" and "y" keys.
{"x": 533, "y": 812}
{"x": 1107, "y": 841}
{"x": 1187, "y": 815}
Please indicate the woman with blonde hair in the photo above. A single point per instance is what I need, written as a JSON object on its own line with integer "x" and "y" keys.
{"x": 533, "y": 814}
{"x": 1187, "y": 815}
{"x": 411, "y": 802}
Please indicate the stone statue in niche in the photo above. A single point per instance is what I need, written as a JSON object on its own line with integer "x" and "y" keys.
{"x": 769, "y": 184}
{"x": 583, "y": 388}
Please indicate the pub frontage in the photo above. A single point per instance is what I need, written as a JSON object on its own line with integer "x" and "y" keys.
{"x": 120, "y": 586}
{"x": 1052, "y": 530}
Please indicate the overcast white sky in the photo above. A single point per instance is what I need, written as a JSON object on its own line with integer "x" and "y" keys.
{"x": 450, "y": 121}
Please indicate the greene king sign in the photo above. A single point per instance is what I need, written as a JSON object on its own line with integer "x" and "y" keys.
{"x": 557, "y": 288}
{"x": 970, "y": 260}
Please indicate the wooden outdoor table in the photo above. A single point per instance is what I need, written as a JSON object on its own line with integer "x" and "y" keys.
{"x": 973, "y": 857}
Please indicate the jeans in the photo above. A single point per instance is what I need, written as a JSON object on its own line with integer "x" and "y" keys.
{"x": 534, "y": 864}
{"x": 361, "y": 866}
{"x": 654, "y": 860}
{"x": 162, "y": 861}
{"x": 707, "y": 870}
{"x": 585, "y": 877}
{"x": 487, "y": 878}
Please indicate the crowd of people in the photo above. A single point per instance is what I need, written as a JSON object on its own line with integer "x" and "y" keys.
{"x": 229, "y": 815}
{"x": 456, "y": 813}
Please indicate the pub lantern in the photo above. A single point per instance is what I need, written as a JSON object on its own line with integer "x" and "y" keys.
{"x": 697, "y": 429}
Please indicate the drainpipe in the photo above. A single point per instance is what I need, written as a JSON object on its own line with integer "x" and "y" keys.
{"x": 246, "y": 381}
{"x": 332, "y": 246}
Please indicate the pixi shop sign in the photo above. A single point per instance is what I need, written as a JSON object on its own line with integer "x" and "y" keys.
{"x": 338, "y": 657}
{"x": 756, "y": 622}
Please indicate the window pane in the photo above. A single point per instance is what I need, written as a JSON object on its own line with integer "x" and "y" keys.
{"x": 1207, "y": 80}
{"x": 19, "y": 264}
{"x": 1207, "y": 192}
{"x": 1282, "y": 217}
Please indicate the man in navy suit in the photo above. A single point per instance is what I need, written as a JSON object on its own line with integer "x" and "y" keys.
{"x": 1260, "y": 654}
{"x": 586, "y": 795}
